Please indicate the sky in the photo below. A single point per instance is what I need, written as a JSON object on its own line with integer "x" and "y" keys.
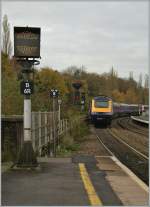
{"x": 95, "y": 34}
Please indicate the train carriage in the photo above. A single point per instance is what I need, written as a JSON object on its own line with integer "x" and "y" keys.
{"x": 103, "y": 109}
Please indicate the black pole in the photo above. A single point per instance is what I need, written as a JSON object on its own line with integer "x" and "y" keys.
{"x": 54, "y": 128}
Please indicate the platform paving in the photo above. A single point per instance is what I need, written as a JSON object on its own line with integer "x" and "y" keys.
{"x": 58, "y": 183}
{"x": 144, "y": 118}
{"x": 98, "y": 178}
{"x": 130, "y": 190}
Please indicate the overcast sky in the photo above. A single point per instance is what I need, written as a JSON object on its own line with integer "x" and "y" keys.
{"x": 94, "y": 34}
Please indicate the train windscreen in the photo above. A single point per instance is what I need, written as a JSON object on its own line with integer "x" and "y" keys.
{"x": 101, "y": 104}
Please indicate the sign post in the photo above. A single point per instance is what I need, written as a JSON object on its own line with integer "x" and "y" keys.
{"x": 54, "y": 94}
{"x": 59, "y": 104}
{"x": 59, "y": 117}
{"x": 26, "y": 49}
{"x": 82, "y": 101}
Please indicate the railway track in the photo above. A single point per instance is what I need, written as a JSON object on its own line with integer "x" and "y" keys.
{"x": 126, "y": 123}
{"x": 128, "y": 145}
{"x": 127, "y": 154}
{"x": 136, "y": 140}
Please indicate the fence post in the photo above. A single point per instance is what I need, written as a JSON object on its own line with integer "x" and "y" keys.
{"x": 51, "y": 133}
{"x": 63, "y": 125}
{"x": 66, "y": 127}
{"x": 33, "y": 129}
{"x": 46, "y": 138}
{"x": 39, "y": 127}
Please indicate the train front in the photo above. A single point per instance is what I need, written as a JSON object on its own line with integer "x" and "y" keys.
{"x": 101, "y": 109}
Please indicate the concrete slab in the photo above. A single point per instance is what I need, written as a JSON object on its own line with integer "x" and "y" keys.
{"x": 54, "y": 160}
{"x": 106, "y": 163}
{"x": 126, "y": 188}
{"x": 98, "y": 178}
{"x": 57, "y": 184}
{"x": 144, "y": 119}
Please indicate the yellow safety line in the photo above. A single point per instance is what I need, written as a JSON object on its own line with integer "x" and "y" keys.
{"x": 93, "y": 197}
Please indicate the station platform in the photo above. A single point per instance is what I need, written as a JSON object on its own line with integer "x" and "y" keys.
{"x": 82, "y": 180}
{"x": 142, "y": 119}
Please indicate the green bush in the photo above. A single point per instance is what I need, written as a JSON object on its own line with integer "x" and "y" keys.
{"x": 67, "y": 141}
{"x": 79, "y": 131}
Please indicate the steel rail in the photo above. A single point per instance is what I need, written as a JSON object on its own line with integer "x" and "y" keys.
{"x": 130, "y": 127}
{"x": 99, "y": 139}
{"x": 133, "y": 149}
{"x": 131, "y": 170}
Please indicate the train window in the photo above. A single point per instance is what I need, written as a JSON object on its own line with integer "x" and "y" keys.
{"x": 101, "y": 104}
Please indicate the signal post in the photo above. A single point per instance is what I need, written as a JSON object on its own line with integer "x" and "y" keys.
{"x": 54, "y": 94}
{"x": 26, "y": 49}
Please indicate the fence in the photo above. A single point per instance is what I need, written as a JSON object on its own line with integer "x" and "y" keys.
{"x": 45, "y": 130}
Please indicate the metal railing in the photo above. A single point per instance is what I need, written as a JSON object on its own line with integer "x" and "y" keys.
{"x": 43, "y": 129}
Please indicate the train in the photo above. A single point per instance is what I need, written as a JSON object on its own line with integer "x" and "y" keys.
{"x": 103, "y": 109}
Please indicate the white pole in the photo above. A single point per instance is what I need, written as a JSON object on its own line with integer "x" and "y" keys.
{"x": 59, "y": 114}
{"x": 27, "y": 157}
{"x": 27, "y": 119}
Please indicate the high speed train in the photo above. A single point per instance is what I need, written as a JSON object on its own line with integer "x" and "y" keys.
{"x": 102, "y": 108}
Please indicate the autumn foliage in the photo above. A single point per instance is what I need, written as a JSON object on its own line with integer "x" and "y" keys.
{"x": 93, "y": 84}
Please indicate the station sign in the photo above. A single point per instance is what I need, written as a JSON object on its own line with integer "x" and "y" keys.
{"x": 27, "y": 42}
{"x": 26, "y": 87}
{"x": 54, "y": 93}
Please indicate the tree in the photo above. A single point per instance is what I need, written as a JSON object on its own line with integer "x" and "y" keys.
{"x": 45, "y": 80}
{"x": 12, "y": 100}
{"x": 140, "y": 80}
{"x": 131, "y": 97}
{"x": 75, "y": 72}
{"x": 7, "y": 47}
{"x": 146, "y": 85}
{"x": 131, "y": 75}
{"x": 118, "y": 96}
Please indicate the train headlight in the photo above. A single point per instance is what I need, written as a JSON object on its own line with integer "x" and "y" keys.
{"x": 108, "y": 113}
{"x": 94, "y": 113}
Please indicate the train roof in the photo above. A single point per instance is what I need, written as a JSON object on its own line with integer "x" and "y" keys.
{"x": 124, "y": 104}
{"x": 102, "y": 97}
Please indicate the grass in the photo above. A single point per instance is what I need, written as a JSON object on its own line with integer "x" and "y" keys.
{"x": 71, "y": 141}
